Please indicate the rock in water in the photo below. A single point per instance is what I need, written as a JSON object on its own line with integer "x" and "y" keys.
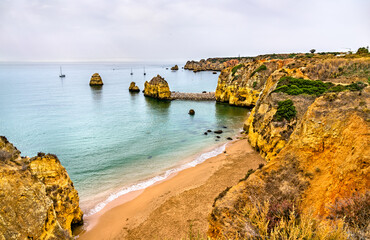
{"x": 37, "y": 197}
{"x": 175, "y": 68}
{"x": 96, "y": 80}
{"x": 191, "y": 112}
{"x": 157, "y": 88}
{"x": 133, "y": 87}
{"x": 218, "y": 131}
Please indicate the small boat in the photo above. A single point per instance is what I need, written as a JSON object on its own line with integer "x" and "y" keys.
{"x": 144, "y": 71}
{"x": 131, "y": 72}
{"x": 61, "y": 74}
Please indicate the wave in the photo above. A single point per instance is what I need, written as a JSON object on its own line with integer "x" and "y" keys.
{"x": 147, "y": 183}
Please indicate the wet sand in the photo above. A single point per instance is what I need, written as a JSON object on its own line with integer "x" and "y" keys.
{"x": 169, "y": 209}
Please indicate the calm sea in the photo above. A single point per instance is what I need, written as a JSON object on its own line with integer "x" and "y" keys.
{"x": 110, "y": 141}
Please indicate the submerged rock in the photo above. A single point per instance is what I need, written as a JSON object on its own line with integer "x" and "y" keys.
{"x": 191, "y": 112}
{"x": 37, "y": 197}
{"x": 96, "y": 80}
{"x": 157, "y": 88}
{"x": 133, "y": 87}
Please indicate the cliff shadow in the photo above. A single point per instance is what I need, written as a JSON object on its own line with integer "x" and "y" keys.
{"x": 226, "y": 114}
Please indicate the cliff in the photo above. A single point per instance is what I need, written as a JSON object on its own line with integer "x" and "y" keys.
{"x": 157, "y": 88}
{"x": 311, "y": 122}
{"x": 325, "y": 160}
{"x": 37, "y": 197}
{"x": 96, "y": 80}
{"x": 211, "y": 64}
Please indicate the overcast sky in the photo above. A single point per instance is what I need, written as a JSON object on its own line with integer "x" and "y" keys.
{"x": 126, "y": 30}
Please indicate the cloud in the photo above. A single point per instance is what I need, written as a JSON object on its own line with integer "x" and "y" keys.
{"x": 69, "y": 30}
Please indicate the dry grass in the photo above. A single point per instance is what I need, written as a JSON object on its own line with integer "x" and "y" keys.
{"x": 294, "y": 226}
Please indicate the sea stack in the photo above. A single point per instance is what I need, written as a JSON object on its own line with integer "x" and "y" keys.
{"x": 157, "y": 88}
{"x": 133, "y": 87}
{"x": 175, "y": 68}
{"x": 37, "y": 197}
{"x": 96, "y": 80}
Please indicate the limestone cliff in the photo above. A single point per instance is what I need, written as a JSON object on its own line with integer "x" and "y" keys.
{"x": 37, "y": 197}
{"x": 325, "y": 159}
{"x": 96, "y": 80}
{"x": 211, "y": 64}
{"x": 157, "y": 88}
{"x": 315, "y": 136}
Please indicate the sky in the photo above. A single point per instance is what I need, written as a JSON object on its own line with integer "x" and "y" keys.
{"x": 177, "y": 30}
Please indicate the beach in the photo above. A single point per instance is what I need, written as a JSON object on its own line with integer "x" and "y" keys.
{"x": 173, "y": 207}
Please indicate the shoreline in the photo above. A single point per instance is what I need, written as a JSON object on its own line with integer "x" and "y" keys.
{"x": 140, "y": 185}
{"x": 127, "y": 212}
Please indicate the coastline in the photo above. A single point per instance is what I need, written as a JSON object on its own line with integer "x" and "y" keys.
{"x": 135, "y": 215}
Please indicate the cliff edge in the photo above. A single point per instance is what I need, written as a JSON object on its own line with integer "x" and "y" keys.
{"x": 37, "y": 197}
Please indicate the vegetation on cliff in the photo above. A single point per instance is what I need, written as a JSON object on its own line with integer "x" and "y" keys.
{"x": 311, "y": 122}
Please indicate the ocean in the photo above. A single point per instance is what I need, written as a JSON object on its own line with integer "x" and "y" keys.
{"x": 111, "y": 141}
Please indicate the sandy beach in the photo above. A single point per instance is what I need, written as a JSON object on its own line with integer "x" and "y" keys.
{"x": 170, "y": 208}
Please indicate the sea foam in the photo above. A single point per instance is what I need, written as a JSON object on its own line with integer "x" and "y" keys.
{"x": 147, "y": 183}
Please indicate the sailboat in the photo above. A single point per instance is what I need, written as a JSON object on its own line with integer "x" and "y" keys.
{"x": 61, "y": 74}
{"x": 131, "y": 72}
{"x": 144, "y": 71}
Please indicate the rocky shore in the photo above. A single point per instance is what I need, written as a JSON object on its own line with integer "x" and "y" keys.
{"x": 37, "y": 197}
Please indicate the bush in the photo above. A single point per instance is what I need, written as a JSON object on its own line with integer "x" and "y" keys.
{"x": 254, "y": 84}
{"x": 260, "y": 68}
{"x": 250, "y": 171}
{"x": 296, "y": 86}
{"x": 285, "y": 110}
{"x": 235, "y": 68}
{"x": 362, "y": 50}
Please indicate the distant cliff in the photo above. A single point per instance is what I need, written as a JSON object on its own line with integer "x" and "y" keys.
{"x": 37, "y": 197}
{"x": 310, "y": 120}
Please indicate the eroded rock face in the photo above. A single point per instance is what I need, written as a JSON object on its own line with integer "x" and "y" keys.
{"x": 315, "y": 158}
{"x": 37, "y": 197}
{"x": 325, "y": 159}
{"x": 157, "y": 88}
{"x": 242, "y": 84}
{"x": 211, "y": 64}
{"x": 133, "y": 87}
{"x": 96, "y": 80}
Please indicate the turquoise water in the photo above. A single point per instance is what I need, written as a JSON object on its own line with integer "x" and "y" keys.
{"x": 108, "y": 139}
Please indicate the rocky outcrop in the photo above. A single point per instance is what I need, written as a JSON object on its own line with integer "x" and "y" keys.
{"x": 96, "y": 80}
{"x": 242, "y": 84}
{"x": 157, "y": 88}
{"x": 325, "y": 159}
{"x": 37, "y": 197}
{"x": 175, "y": 68}
{"x": 133, "y": 87}
{"x": 315, "y": 136}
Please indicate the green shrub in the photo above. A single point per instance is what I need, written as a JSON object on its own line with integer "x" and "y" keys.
{"x": 250, "y": 171}
{"x": 260, "y": 68}
{"x": 362, "y": 50}
{"x": 235, "y": 68}
{"x": 285, "y": 110}
{"x": 295, "y": 86}
{"x": 254, "y": 84}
